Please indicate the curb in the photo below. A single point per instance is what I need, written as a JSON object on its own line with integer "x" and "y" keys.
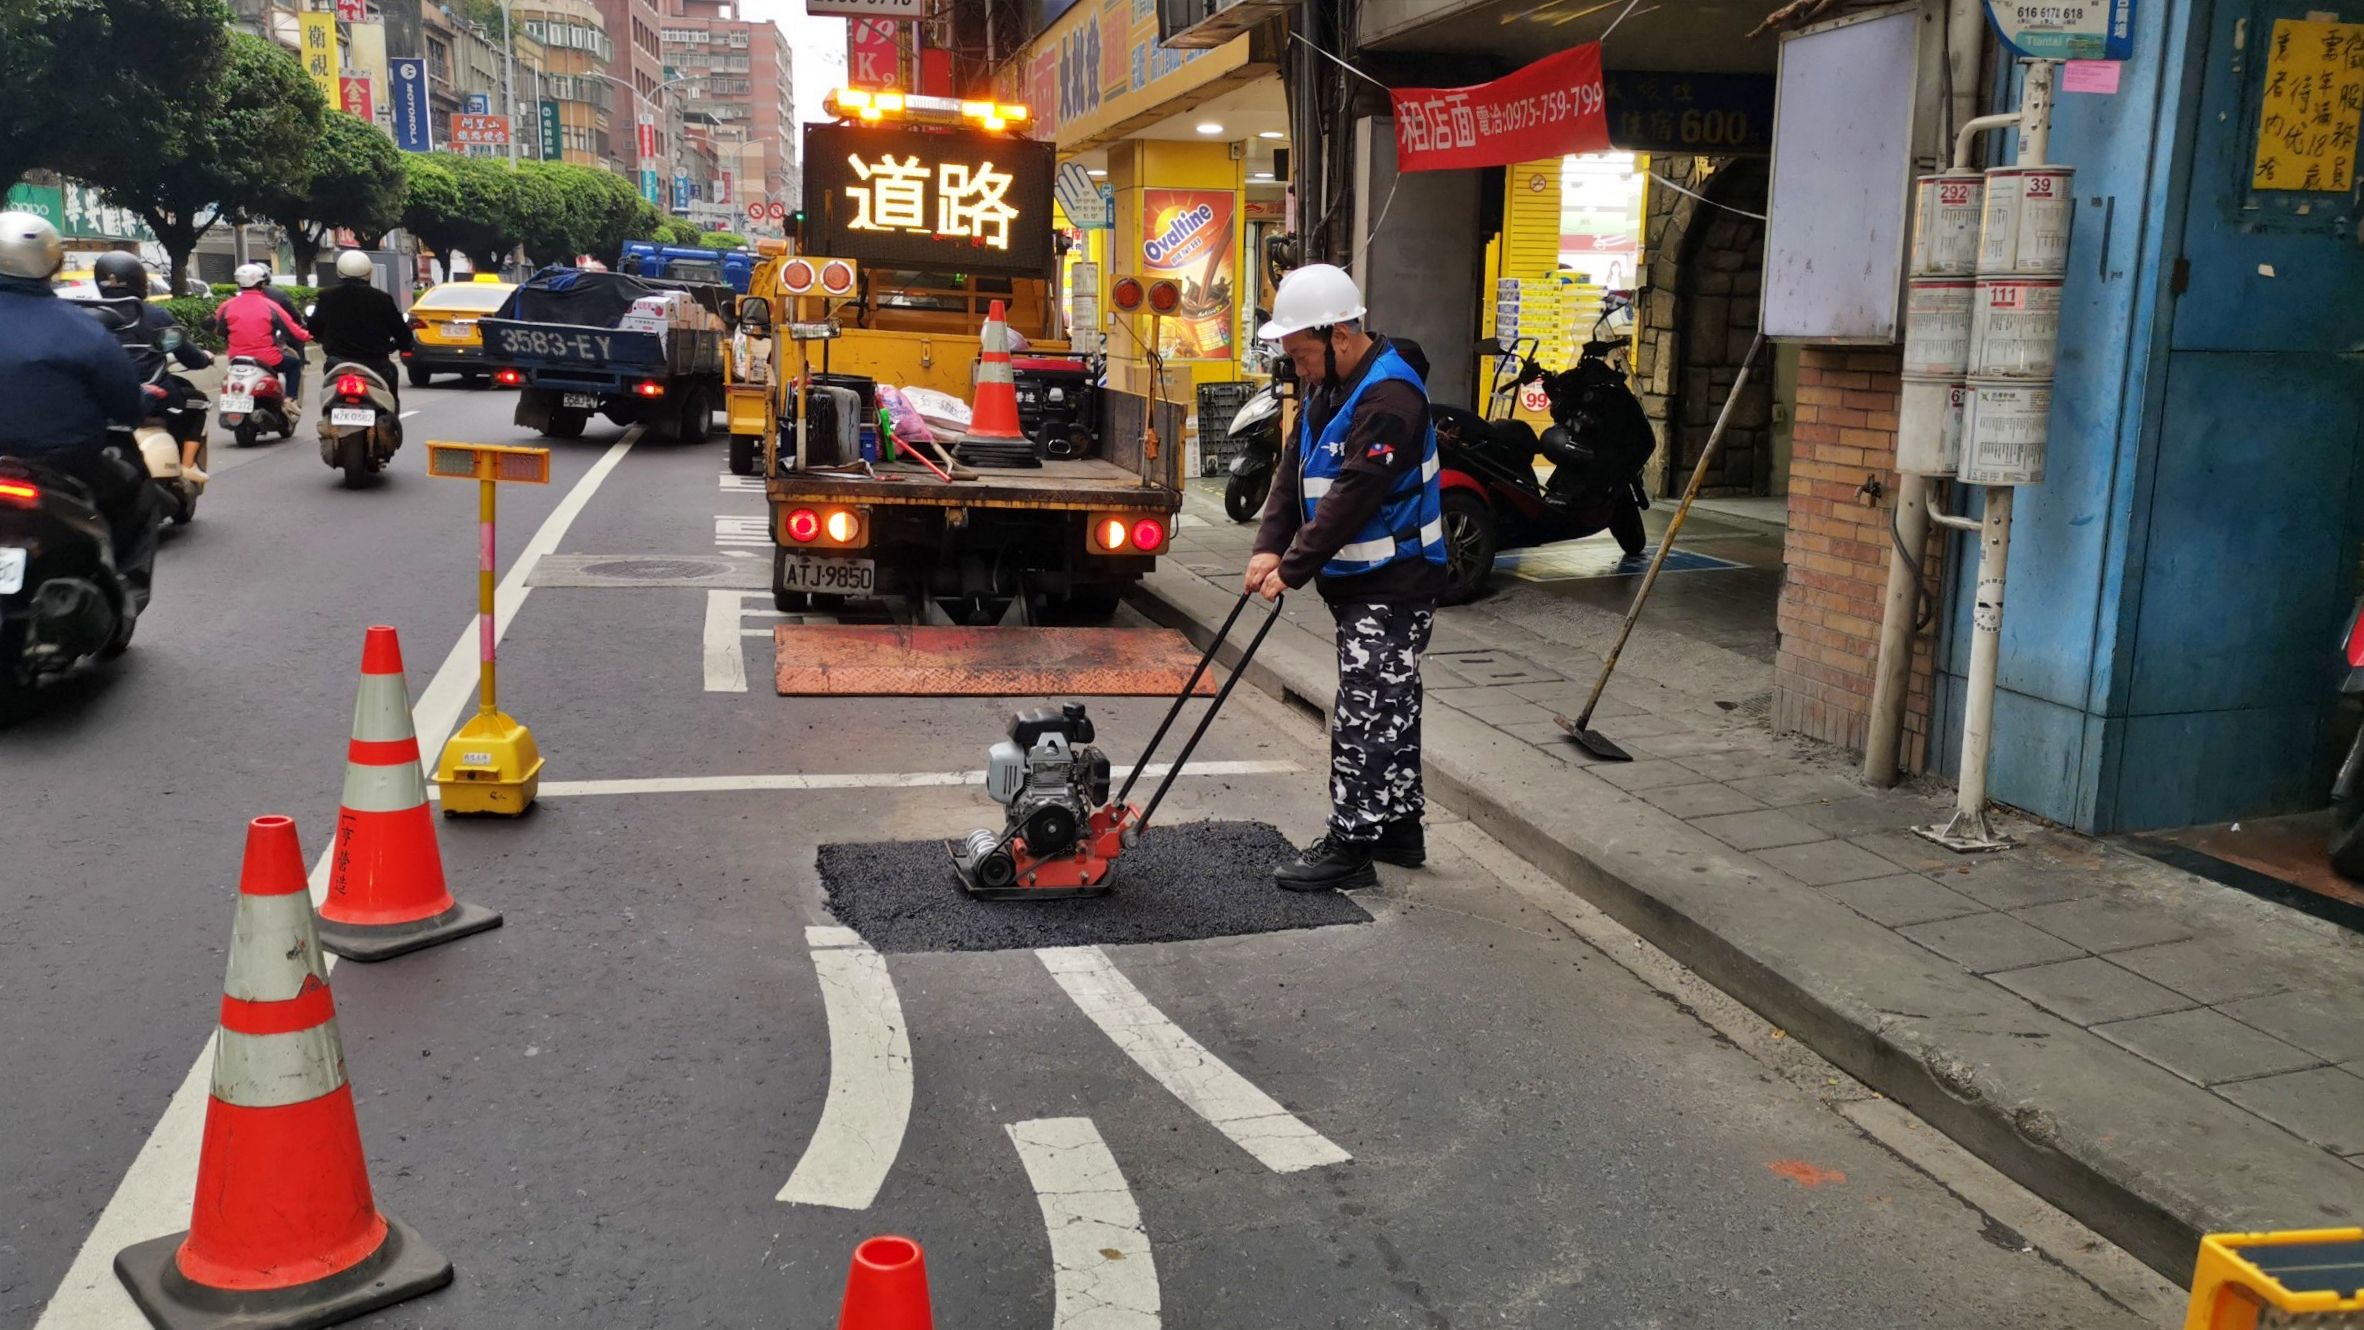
{"x": 2147, "y": 1159}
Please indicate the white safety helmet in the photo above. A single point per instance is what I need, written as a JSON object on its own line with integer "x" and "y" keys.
{"x": 251, "y": 275}
{"x": 29, "y": 246}
{"x": 1314, "y": 296}
{"x": 354, "y": 263}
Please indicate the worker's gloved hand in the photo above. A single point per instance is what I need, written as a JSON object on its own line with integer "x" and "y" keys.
{"x": 1260, "y": 567}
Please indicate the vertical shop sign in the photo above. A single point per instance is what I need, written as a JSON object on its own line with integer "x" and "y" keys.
{"x": 871, "y": 59}
{"x": 2314, "y": 97}
{"x": 1190, "y": 235}
{"x": 318, "y": 30}
{"x": 413, "y": 126}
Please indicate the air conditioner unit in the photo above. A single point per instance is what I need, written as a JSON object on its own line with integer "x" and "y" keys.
{"x": 1199, "y": 25}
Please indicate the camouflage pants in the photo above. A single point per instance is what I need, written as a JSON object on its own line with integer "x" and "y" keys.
{"x": 1375, "y": 728}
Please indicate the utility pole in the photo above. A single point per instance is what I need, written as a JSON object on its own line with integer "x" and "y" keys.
{"x": 509, "y": 77}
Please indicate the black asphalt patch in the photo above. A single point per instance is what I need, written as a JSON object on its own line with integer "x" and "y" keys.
{"x": 1195, "y": 880}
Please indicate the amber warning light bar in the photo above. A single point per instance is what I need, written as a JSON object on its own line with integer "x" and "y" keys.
{"x": 872, "y": 106}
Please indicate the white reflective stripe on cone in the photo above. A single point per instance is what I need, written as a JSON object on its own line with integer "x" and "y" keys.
{"x": 993, "y": 371}
{"x": 393, "y": 789}
{"x": 274, "y": 948}
{"x": 381, "y": 711}
{"x": 275, "y": 1070}
{"x": 1313, "y": 487}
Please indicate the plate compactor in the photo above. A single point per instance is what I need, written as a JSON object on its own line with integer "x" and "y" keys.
{"x": 1064, "y": 833}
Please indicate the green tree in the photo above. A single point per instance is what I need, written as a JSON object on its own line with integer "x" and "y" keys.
{"x": 247, "y": 143}
{"x": 356, "y": 183}
{"x": 91, "y": 83}
{"x": 464, "y": 205}
{"x": 550, "y": 216}
{"x": 722, "y": 240}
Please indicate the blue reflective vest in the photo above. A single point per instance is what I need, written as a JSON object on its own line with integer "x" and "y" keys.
{"x": 1409, "y": 525}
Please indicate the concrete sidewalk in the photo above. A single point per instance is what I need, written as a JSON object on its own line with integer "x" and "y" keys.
{"x": 2159, "y": 1055}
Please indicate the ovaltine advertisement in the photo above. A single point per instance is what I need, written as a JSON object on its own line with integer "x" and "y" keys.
{"x": 1187, "y": 234}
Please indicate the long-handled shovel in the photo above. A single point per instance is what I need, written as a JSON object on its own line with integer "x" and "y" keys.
{"x": 1580, "y": 729}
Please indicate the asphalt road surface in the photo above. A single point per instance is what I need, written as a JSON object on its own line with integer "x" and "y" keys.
{"x": 673, "y": 1091}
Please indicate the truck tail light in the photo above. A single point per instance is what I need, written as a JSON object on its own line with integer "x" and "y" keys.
{"x": 1126, "y": 533}
{"x": 841, "y": 526}
{"x": 1112, "y": 533}
{"x": 1149, "y": 535}
{"x": 508, "y": 378}
{"x": 804, "y": 524}
{"x": 649, "y": 388}
{"x": 20, "y": 493}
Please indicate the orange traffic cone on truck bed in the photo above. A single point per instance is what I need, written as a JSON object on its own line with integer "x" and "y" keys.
{"x": 995, "y": 437}
{"x": 285, "y": 1232}
{"x": 385, "y": 885}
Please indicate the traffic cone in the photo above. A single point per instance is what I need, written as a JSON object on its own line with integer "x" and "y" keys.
{"x": 887, "y": 1288}
{"x": 285, "y": 1232}
{"x": 385, "y": 885}
{"x": 994, "y": 435}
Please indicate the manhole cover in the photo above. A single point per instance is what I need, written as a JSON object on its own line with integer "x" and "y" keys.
{"x": 714, "y": 572}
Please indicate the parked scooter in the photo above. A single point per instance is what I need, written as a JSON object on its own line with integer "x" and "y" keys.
{"x": 1492, "y": 500}
{"x": 62, "y": 600}
{"x": 1255, "y": 431}
{"x": 2347, "y": 792}
{"x": 360, "y": 426}
{"x": 253, "y": 400}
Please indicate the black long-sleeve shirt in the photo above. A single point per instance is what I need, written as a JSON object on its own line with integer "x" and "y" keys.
{"x": 1383, "y": 440}
{"x": 356, "y": 320}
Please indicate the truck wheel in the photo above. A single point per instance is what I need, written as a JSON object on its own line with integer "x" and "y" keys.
{"x": 1470, "y": 539}
{"x": 1091, "y": 604}
{"x": 697, "y": 415}
{"x": 742, "y": 454}
{"x": 419, "y": 377}
{"x": 566, "y": 423}
{"x": 784, "y": 600}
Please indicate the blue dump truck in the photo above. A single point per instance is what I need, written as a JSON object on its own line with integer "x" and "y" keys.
{"x": 637, "y": 350}
{"x": 643, "y": 258}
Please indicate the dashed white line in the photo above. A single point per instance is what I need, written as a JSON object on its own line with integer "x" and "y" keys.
{"x": 1210, "y": 1088}
{"x": 1103, "y": 1274}
{"x": 869, "y": 1104}
{"x": 407, "y": 415}
{"x": 160, "y": 1187}
{"x": 725, "y": 657}
{"x": 730, "y": 529}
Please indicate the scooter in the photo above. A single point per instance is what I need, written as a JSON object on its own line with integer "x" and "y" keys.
{"x": 1255, "y": 431}
{"x": 159, "y": 439}
{"x": 253, "y": 400}
{"x": 1491, "y": 500}
{"x": 2347, "y": 791}
{"x": 360, "y": 425}
{"x": 62, "y": 599}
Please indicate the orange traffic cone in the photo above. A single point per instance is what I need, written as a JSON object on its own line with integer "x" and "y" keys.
{"x": 285, "y": 1232}
{"x": 887, "y": 1288}
{"x": 994, "y": 434}
{"x": 385, "y": 886}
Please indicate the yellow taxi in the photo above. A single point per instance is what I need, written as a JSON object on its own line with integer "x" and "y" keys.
{"x": 443, "y": 330}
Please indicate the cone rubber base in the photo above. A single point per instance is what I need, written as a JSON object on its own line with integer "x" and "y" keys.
{"x": 378, "y": 942}
{"x": 403, "y": 1267}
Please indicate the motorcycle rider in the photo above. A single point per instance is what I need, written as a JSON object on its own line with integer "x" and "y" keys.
{"x": 67, "y": 381}
{"x": 358, "y": 324}
{"x": 253, "y": 323}
{"x": 139, "y": 326}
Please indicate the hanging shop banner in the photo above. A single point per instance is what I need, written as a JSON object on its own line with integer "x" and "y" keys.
{"x": 2314, "y": 98}
{"x": 553, "y": 134}
{"x": 1190, "y": 235}
{"x": 414, "y": 127}
{"x": 871, "y": 60}
{"x": 1549, "y": 109}
{"x": 2065, "y": 29}
{"x": 319, "y": 32}
{"x": 480, "y": 131}
{"x": 901, "y": 196}
{"x": 355, "y": 98}
{"x": 888, "y": 9}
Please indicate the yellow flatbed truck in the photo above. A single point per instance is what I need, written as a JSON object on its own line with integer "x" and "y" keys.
{"x": 929, "y": 213}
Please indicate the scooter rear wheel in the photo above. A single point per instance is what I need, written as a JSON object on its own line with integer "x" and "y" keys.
{"x": 1625, "y": 523}
{"x": 1243, "y": 495}
{"x": 1471, "y": 537}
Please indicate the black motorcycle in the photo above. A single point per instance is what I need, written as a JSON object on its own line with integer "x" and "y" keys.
{"x": 62, "y": 599}
{"x": 1255, "y": 431}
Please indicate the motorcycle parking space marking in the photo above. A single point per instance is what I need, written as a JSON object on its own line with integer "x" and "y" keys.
{"x": 863, "y": 780}
{"x": 735, "y": 529}
{"x": 1102, "y": 1272}
{"x": 742, "y": 484}
{"x": 869, "y": 1102}
{"x": 159, "y": 1189}
{"x": 1229, "y": 1102}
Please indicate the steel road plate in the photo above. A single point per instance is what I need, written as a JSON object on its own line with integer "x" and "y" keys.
{"x": 904, "y": 660}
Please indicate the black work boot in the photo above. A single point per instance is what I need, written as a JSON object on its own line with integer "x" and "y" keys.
{"x": 1329, "y": 864}
{"x": 1401, "y": 843}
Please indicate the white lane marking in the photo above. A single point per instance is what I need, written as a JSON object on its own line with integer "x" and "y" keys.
{"x": 407, "y": 415}
{"x": 1211, "y": 1089}
{"x": 746, "y": 484}
{"x": 755, "y": 632}
{"x": 160, "y": 1188}
{"x": 857, "y": 780}
{"x": 725, "y": 655}
{"x": 818, "y": 936}
{"x": 1103, "y": 1274}
{"x": 730, "y": 530}
{"x": 869, "y": 1104}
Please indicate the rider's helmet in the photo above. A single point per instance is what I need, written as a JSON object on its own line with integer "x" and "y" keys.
{"x": 29, "y": 246}
{"x": 251, "y": 275}
{"x": 354, "y": 265}
{"x": 119, "y": 274}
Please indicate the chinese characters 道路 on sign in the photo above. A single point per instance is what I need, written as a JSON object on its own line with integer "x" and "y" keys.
{"x": 2314, "y": 97}
{"x": 961, "y": 202}
{"x": 1548, "y": 109}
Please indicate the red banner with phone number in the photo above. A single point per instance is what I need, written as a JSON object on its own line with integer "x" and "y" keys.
{"x": 1548, "y": 109}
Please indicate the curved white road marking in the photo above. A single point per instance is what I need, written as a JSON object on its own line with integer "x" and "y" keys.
{"x": 1102, "y": 1272}
{"x": 160, "y": 1188}
{"x": 869, "y": 1104}
{"x": 1226, "y": 1099}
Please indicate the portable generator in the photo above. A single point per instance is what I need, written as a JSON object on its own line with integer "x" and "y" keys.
{"x": 1064, "y": 833}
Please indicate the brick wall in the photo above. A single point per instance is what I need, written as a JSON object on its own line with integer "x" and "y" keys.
{"x": 1836, "y": 552}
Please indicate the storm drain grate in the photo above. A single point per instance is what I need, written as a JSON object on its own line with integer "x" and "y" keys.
{"x": 712, "y": 571}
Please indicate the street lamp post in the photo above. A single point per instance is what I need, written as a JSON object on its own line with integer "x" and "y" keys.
{"x": 509, "y": 76}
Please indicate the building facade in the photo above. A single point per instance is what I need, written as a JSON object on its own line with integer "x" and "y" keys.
{"x": 736, "y": 78}
{"x": 576, "y": 51}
